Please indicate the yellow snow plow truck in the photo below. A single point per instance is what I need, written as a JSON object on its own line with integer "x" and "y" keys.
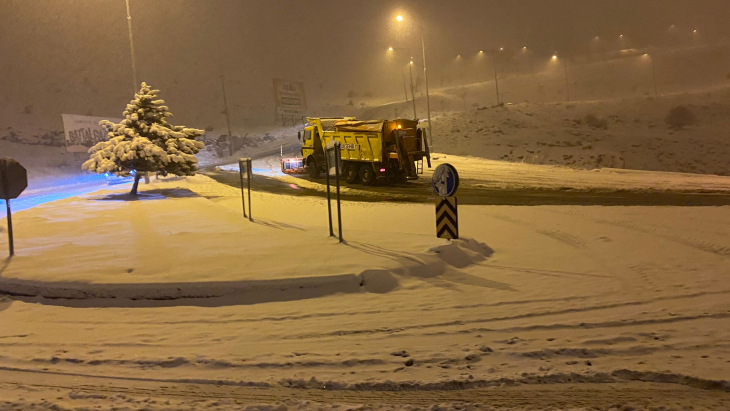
{"x": 390, "y": 150}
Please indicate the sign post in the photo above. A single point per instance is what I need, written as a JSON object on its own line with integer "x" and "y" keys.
{"x": 13, "y": 180}
{"x": 333, "y": 158}
{"x": 245, "y": 163}
{"x": 445, "y": 183}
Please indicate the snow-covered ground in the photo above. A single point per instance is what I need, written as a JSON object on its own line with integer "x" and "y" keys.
{"x": 177, "y": 291}
{"x": 628, "y": 133}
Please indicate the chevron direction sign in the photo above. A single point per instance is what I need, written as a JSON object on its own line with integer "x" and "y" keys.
{"x": 447, "y": 218}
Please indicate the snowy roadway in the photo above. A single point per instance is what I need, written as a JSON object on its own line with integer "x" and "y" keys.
{"x": 488, "y": 182}
{"x": 57, "y": 189}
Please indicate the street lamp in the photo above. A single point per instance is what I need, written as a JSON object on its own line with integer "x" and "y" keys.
{"x": 410, "y": 71}
{"x": 565, "y": 68}
{"x": 494, "y": 68}
{"x": 399, "y": 18}
{"x": 131, "y": 49}
{"x": 653, "y": 72}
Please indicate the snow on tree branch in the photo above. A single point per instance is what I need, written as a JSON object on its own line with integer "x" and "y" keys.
{"x": 145, "y": 142}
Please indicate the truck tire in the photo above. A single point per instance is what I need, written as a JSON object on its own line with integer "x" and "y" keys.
{"x": 367, "y": 174}
{"x": 352, "y": 175}
{"x": 313, "y": 168}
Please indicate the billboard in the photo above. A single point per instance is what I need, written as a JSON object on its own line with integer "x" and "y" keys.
{"x": 290, "y": 97}
{"x": 82, "y": 132}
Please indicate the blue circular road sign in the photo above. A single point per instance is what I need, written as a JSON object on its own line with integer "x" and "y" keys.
{"x": 445, "y": 180}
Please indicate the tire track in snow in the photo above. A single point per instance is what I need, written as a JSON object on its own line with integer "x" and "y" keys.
{"x": 399, "y": 330}
{"x": 701, "y": 245}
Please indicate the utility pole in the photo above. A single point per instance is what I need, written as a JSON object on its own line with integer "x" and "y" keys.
{"x": 131, "y": 50}
{"x": 228, "y": 117}
{"x": 413, "y": 94}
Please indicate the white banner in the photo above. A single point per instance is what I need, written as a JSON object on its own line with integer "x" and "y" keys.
{"x": 82, "y": 132}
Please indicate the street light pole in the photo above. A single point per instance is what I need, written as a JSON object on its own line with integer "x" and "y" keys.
{"x": 567, "y": 84}
{"x": 425, "y": 75}
{"x": 405, "y": 90}
{"x": 228, "y": 118}
{"x": 494, "y": 66}
{"x": 131, "y": 50}
{"x": 653, "y": 73}
{"x": 413, "y": 94}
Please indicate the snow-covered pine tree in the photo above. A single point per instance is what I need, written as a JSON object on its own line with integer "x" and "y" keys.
{"x": 145, "y": 142}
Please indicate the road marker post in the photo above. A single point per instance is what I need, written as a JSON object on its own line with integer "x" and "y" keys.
{"x": 447, "y": 218}
{"x": 445, "y": 182}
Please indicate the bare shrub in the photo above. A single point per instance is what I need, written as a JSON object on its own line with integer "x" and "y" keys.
{"x": 595, "y": 122}
{"x": 680, "y": 117}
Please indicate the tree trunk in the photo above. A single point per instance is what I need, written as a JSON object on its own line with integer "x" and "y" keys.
{"x": 137, "y": 176}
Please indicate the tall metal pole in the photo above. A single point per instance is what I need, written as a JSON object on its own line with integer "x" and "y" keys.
{"x": 494, "y": 67}
{"x": 228, "y": 118}
{"x": 10, "y": 227}
{"x": 405, "y": 90}
{"x": 249, "y": 171}
{"x": 243, "y": 198}
{"x": 413, "y": 94}
{"x": 653, "y": 72}
{"x": 329, "y": 203}
{"x": 338, "y": 156}
{"x": 428, "y": 101}
{"x": 567, "y": 85}
{"x": 131, "y": 50}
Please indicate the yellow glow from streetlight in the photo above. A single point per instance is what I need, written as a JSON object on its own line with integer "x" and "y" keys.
{"x": 399, "y": 18}
{"x": 694, "y": 31}
{"x": 621, "y": 35}
{"x": 555, "y": 56}
{"x": 481, "y": 51}
{"x": 501, "y": 49}
{"x": 390, "y": 48}
{"x": 411, "y": 62}
{"x": 524, "y": 48}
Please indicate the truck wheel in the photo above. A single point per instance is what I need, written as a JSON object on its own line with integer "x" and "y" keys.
{"x": 313, "y": 168}
{"x": 351, "y": 173}
{"x": 367, "y": 174}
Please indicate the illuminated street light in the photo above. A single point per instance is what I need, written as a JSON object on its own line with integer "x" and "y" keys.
{"x": 494, "y": 68}
{"x": 567, "y": 83}
{"x": 653, "y": 72}
{"x": 131, "y": 49}
{"x": 501, "y": 49}
{"x": 399, "y": 18}
{"x": 410, "y": 71}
